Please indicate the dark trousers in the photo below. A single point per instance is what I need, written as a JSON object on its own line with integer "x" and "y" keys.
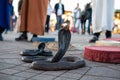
{"x": 47, "y": 24}
{"x": 59, "y": 22}
{"x": 1, "y": 29}
{"x": 89, "y": 23}
{"x": 83, "y": 27}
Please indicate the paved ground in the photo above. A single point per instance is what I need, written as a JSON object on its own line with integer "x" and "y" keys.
{"x": 12, "y": 68}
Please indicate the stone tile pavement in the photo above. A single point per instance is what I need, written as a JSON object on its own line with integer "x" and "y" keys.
{"x": 12, "y": 68}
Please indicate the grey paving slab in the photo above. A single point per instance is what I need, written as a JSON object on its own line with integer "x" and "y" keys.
{"x": 44, "y": 77}
{"x": 80, "y": 70}
{"x": 10, "y": 56}
{"x": 12, "y": 61}
{"x": 97, "y": 78}
{"x": 25, "y": 74}
{"x": 20, "y": 68}
{"x": 9, "y": 71}
{"x": 34, "y": 71}
{"x": 10, "y": 77}
{"x": 71, "y": 75}
{"x": 77, "y": 53}
{"x": 105, "y": 72}
{"x": 53, "y": 73}
{"x": 118, "y": 64}
{"x": 116, "y": 67}
{"x": 5, "y": 65}
{"x": 30, "y": 79}
{"x": 63, "y": 78}
{"x": 97, "y": 64}
{"x": 25, "y": 64}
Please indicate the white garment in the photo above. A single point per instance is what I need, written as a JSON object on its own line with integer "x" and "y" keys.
{"x": 49, "y": 9}
{"x": 77, "y": 13}
{"x": 77, "y": 25}
{"x": 18, "y": 23}
{"x": 102, "y": 15}
{"x": 59, "y": 12}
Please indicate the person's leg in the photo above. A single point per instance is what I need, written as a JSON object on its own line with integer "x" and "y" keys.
{"x": 89, "y": 23}
{"x": 22, "y": 37}
{"x": 75, "y": 21}
{"x": 97, "y": 35}
{"x": 108, "y": 34}
{"x": 58, "y": 23}
{"x": 1, "y": 38}
{"x": 61, "y": 21}
{"x": 97, "y": 17}
{"x": 109, "y": 18}
{"x": 24, "y": 33}
{"x": 34, "y": 36}
{"x": 47, "y": 24}
{"x": 82, "y": 29}
{"x": 77, "y": 26}
{"x": 6, "y": 31}
{"x": 84, "y": 24}
{"x": 1, "y": 31}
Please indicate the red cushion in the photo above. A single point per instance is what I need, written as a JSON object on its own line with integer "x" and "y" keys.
{"x": 102, "y": 54}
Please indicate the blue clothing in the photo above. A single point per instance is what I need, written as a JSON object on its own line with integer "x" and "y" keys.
{"x": 5, "y": 13}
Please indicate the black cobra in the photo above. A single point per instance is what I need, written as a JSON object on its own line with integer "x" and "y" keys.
{"x": 59, "y": 62}
{"x": 64, "y": 37}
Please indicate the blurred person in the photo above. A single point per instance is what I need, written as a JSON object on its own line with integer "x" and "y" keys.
{"x": 102, "y": 18}
{"x": 59, "y": 11}
{"x": 18, "y": 22}
{"x": 19, "y": 6}
{"x": 5, "y": 13}
{"x": 14, "y": 19}
{"x": 33, "y": 17}
{"x": 88, "y": 9}
{"x": 77, "y": 13}
{"x": 83, "y": 21}
{"x": 49, "y": 11}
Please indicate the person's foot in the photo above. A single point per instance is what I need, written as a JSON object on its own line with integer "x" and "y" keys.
{"x": 93, "y": 40}
{"x": 21, "y": 38}
{"x": 1, "y": 38}
{"x": 89, "y": 33}
{"x": 83, "y": 33}
{"x": 31, "y": 40}
{"x": 34, "y": 36}
{"x": 108, "y": 34}
{"x": 6, "y": 32}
